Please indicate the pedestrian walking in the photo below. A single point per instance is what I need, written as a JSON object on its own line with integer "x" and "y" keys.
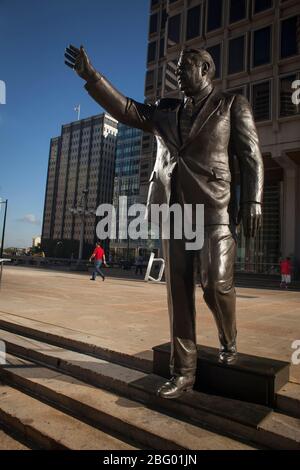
{"x": 99, "y": 258}
{"x": 286, "y": 272}
{"x": 139, "y": 265}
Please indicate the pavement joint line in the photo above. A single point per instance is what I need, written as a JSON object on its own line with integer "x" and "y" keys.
{"x": 46, "y": 323}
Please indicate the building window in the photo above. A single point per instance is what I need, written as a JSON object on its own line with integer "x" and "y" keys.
{"x": 261, "y": 101}
{"x": 171, "y": 83}
{"x": 164, "y": 18}
{"x": 174, "y": 26}
{"x": 261, "y": 5}
{"x": 162, "y": 48}
{"x": 287, "y": 107}
{"x": 238, "y": 10}
{"x": 262, "y": 46}
{"x": 153, "y": 23}
{"x": 290, "y": 37}
{"x": 159, "y": 77}
{"x": 239, "y": 91}
{"x": 215, "y": 52}
{"x": 214, "y": 14}
{"x": 151, "y": 51}
{"x": 149, "y": 81}
{"x": 193, "y": 22}
{"x": 236, "y": 60}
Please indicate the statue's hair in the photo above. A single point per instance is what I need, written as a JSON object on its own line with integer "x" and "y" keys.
{"x": 200, "y": 56}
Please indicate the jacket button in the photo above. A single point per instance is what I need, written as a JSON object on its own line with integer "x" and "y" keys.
{"x": 169, "y": 175}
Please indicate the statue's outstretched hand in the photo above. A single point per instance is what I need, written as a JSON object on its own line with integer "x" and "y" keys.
{"x": 78, "y": 60}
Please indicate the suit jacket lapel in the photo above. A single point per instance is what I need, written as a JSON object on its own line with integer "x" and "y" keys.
{"x": 211, "y": 105}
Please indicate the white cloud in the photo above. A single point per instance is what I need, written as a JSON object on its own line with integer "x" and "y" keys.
{"x": 30, "y": 219}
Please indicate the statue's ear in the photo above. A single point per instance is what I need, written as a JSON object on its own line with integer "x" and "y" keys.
{"x": 205, "y": 68}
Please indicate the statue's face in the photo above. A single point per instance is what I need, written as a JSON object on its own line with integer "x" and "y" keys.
{"x": 191, "y": 76}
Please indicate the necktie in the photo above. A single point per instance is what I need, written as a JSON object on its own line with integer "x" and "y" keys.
{"x": 186, "y": 120}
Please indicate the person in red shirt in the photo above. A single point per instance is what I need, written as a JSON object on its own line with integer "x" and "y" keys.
{"x": 99, "y": 257}
{"x": 285, "y": 271}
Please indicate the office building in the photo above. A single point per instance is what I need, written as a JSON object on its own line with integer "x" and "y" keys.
{"x": 126, "y": 184}
{"x": 256, "y": 48}
{"x": 80, "y": 173}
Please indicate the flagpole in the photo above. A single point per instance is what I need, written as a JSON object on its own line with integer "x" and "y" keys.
{"x": 77, "y": 108}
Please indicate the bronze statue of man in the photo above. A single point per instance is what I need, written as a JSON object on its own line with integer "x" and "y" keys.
{"x": 198, "y": 138}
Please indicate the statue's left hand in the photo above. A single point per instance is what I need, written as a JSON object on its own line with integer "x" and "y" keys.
{"x": 251, "y": 217}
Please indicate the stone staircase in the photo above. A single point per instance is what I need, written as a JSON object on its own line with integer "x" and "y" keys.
{"x": 60, "y": 393}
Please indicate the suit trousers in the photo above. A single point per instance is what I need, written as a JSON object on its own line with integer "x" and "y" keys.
{"x": 215, "y": 266}
{"x": 215, "y": 262}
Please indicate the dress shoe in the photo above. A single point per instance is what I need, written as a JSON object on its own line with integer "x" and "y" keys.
{"x": 176, "y": 386}
{"x": 228, "y": 355}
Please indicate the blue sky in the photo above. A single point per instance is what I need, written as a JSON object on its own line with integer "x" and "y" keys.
{"x": 41, "y": 91}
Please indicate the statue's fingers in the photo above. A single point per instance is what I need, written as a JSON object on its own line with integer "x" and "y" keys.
{"x": 84, "y": 54}
{"x": 70, "y": 52}
{"x": 254, "y": 227}
{"x": 73, "y": 48}
{"x": 258, "y": 223}
{"x": 70, "y": 58}
{"x": 245, "y": 227}
{"x": 69, "y": 65}
{"x": 250, "y": 226}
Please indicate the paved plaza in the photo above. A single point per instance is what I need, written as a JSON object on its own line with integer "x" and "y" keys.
{"x": 130, "y": 316}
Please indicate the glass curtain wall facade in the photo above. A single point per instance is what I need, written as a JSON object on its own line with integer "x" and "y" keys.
{"x": 126, "y": 190}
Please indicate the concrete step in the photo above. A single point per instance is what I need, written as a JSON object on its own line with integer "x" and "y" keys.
{"x": 288, "y": 399}
{"x": 72, "y": 340}
{"x": 240, "y": 420}
{"x": 8, "y": 441}
{"x": 105, "y": 409}
{"x": 50, "y": 428}
{"x": 254, "y": 423}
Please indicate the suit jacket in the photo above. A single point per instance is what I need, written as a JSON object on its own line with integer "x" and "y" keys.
{"x": 224, "y": 127}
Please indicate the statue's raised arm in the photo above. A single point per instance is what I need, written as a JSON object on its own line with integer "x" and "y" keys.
{"x": 123, "y": 109}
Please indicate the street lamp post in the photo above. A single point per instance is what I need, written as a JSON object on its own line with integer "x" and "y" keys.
{"x": 4, "y": 224}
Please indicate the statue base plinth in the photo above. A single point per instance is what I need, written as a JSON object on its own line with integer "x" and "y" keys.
{"x": 251, "y": 378}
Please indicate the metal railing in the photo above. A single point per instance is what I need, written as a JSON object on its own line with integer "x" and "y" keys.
{"x": 257, "y": 268}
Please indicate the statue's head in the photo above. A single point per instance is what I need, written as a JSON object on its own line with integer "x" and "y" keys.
{"x": 195, "y": 70}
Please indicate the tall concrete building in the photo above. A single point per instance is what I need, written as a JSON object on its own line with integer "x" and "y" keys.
{"x": 80, "y": 171}
{"x": 256, "y": 48}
